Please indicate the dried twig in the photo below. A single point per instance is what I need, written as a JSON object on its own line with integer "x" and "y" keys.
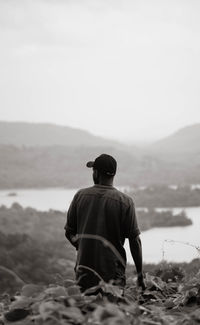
{"x": 171, "y": 241}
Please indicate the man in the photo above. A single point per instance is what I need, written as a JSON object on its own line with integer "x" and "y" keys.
{"x": 98, "y": 221}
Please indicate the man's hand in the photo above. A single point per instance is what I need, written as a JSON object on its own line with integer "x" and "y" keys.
{"x": 140, "y": 281}
{"x": 136, "y": 251}
{"x": 72, "y": 238}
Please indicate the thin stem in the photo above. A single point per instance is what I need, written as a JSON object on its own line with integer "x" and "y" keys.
{"x": 90, "y": 269}
{"x": 105, "y": 243}
{"x": 11, "y": 272}
{"x": 171, "y": 241}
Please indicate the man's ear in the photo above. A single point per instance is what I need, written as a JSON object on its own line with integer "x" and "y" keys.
{"x": 95, "y": 173}
{"x": 95, "y": 176}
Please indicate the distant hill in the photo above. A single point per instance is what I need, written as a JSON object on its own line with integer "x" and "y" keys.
{"x": 64, "y": 166}
{"x": 41, "y": 134}
{"x": 184, "y": 141}
{"x": 58, "y": 166}
{"x": 46, "y": 155}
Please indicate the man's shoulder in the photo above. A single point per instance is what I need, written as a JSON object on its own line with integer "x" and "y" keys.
{"x": 85, "y": 190}
{"x": 122, "y": 197}
{"x": 112, "y": 193}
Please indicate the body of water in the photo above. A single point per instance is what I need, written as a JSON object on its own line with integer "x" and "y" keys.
{"x": 175, "y": 243}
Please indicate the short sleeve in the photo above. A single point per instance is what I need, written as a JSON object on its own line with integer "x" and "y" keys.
{"x": 130, "y": 224}
{"x": 71, "y": 223}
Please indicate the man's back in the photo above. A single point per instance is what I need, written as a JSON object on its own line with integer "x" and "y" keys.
{"x": 109, "y": 214}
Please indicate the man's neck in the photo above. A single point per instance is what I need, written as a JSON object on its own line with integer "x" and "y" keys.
{"x": 106, "y": 182}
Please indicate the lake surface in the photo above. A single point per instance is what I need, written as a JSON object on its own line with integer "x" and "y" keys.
{"x": 174, "y": 242}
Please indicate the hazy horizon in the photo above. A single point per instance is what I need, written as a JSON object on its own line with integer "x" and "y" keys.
{"x": 136, "y": 141}
{"x": 119, "y": 69}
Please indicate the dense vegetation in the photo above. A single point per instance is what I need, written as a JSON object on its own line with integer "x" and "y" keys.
{"x": 164, "y": 196}
{"x": 37, "y": 278}
{"x": 34, "y": 247}
{"x": 172, "y": 296}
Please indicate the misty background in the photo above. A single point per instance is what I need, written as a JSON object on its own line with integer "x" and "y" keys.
{"x": 127, "y": 70}
{"x": 81, "y": 78}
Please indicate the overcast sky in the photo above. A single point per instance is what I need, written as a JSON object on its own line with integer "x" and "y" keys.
{"x": 126, "y": 69}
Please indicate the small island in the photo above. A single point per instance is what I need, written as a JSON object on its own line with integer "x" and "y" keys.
{"x": 150, "y": 218}
{"x": 12, "y": 194}
{"x": 158, "y": 196}
{"x": 49, "y": 223}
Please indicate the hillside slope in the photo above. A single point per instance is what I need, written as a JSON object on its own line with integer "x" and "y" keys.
{"x": 58, "y": 166}
{"x": 44, "y": 155}
{"x": 42, "y": 134}
{"x": 185, "y": 140}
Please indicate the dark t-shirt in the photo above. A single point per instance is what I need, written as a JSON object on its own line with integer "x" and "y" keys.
{"x": 109, "y": 214}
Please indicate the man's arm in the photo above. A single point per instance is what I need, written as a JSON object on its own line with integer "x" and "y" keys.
{"x": 136, "y": 251}
{"x": 132, "y": 233}
{"x": 71, "y": 224}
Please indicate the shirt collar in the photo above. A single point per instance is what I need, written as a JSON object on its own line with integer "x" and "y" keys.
{"x": 104, "y": 186}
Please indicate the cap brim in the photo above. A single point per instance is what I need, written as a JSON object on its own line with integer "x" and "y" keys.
{"x": 90, "y": 164}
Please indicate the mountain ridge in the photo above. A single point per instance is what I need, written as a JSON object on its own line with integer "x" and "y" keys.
{"x": 29, "y": 165}
{"x": 184, "y": 141}
{"x": 45, "y": 134}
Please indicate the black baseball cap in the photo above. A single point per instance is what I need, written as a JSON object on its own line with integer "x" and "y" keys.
{"x": 105, "y": 164}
